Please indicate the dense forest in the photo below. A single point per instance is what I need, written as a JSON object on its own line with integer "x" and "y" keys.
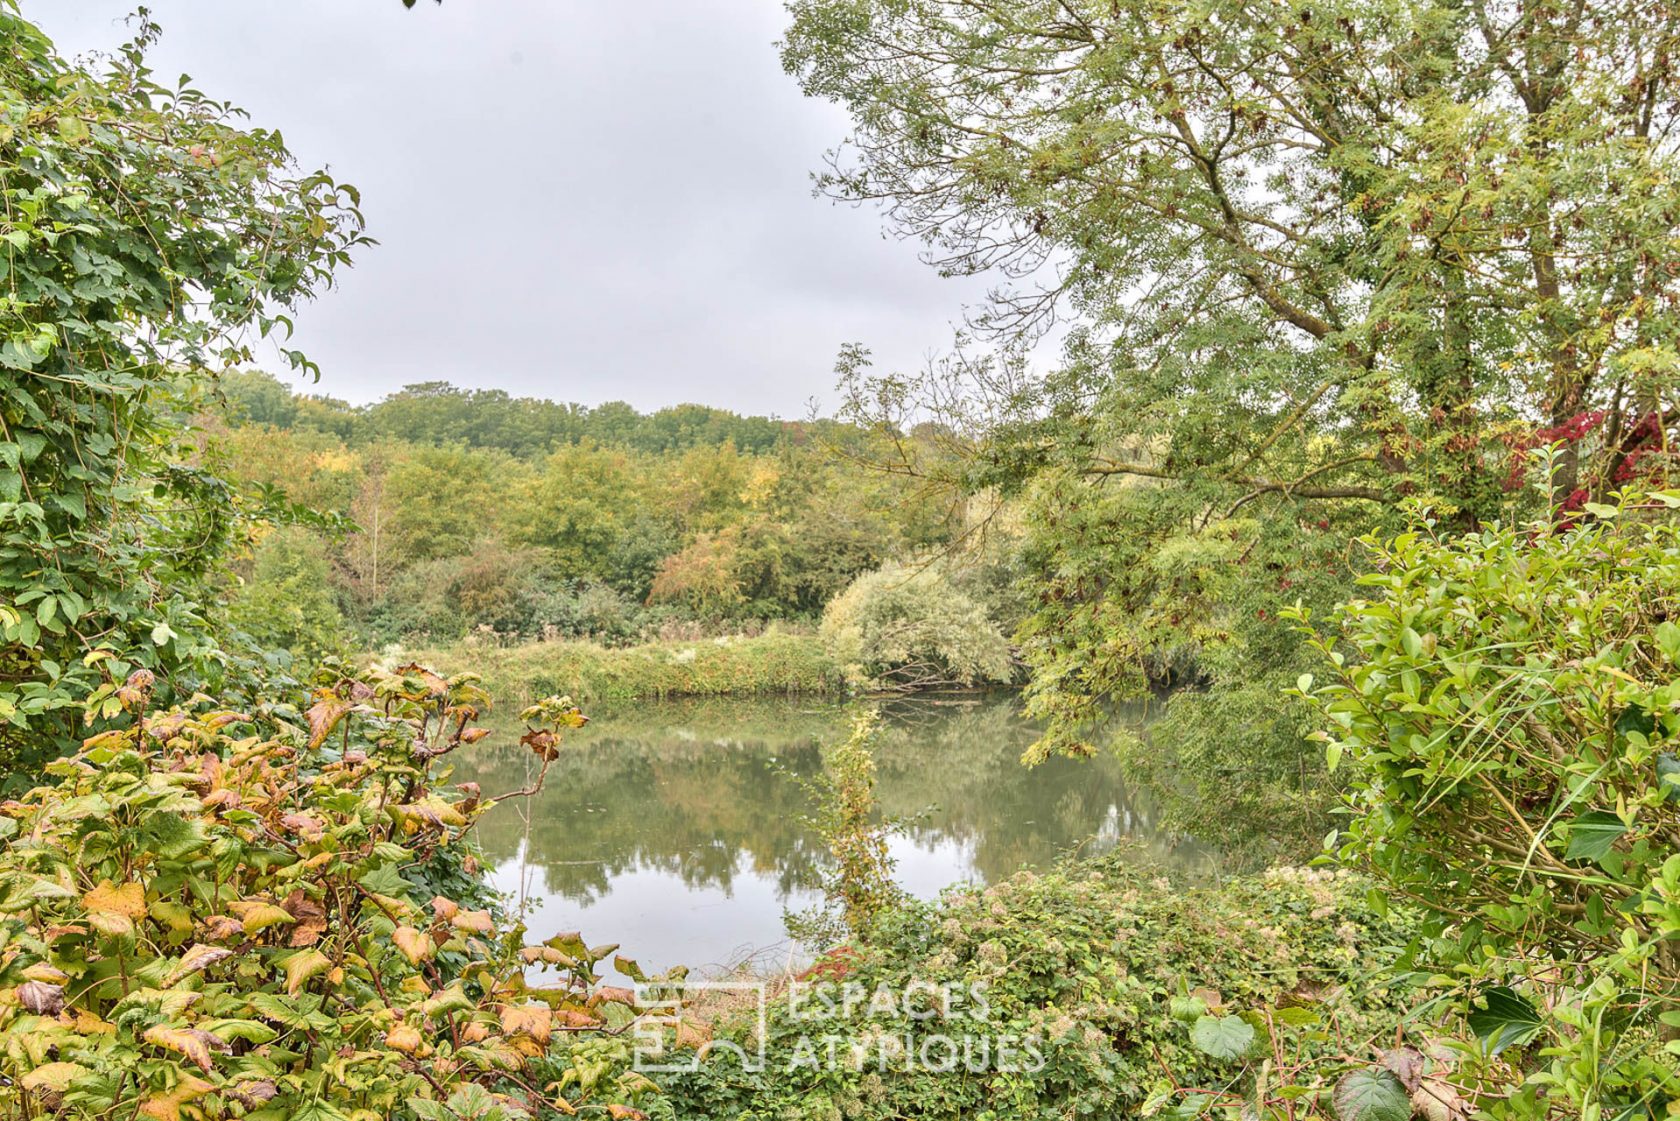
{"x": 438, "y": 512}
{"x": 1357, "y": 461}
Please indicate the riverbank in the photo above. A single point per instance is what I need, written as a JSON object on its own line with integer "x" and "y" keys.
{"x": 1104, "y": 988}
{"x": 760, "y": 666}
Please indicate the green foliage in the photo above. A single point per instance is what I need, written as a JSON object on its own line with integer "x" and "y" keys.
{"x": 146, "y": 240}
{"x": 1505, "y": 700}
{"x": 215, "y": 914}
{"x": 769, "y": 664}
{"x": 1311, "y": 260}
{"x": 910, "y": 627}
{"x": 287, "y": 604}
{"x": 529, "y": 507}
{"x": 1110, "y": 972}
{"x": 860, "y": 884}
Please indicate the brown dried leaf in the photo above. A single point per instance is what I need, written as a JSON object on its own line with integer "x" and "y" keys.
{"x": 323, "y": 716}
{"x": 311, "y": 918}
{"x": 544, "y": 743}
{"x": 41, "y": 997}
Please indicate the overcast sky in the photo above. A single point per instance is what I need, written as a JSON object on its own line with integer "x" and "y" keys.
{"x": 587, "y": 200}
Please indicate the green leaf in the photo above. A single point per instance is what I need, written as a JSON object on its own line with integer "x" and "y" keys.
{"x": 1668, "y": 776}
{"x": 1222, "y": 1037}
{"x": 1592, "y": 835}
{"x": 1371, "y": 1094}
{"x": 1668, "y": 640}
{"x": 1504, "y": 1020}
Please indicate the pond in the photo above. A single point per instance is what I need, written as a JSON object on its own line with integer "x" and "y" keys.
{"x": 677, "y": 828}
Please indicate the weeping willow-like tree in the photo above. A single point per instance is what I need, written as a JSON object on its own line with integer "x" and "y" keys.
{"x": 1313, "y": 260}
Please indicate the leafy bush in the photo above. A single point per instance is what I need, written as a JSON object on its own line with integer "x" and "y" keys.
{"x": 905, "y": 627}
{"x": 149, "y": 239}
{"x": 768, "y": 664}
{"x": 288, "y": 604}
{"x": 512, "y": 593}
{"x": 215, "y": 914}
{"x": 1120, "y": 977}
{"x": 1509, "y": 701}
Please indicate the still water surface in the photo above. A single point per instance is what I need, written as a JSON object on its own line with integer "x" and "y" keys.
{"x": 677, "y": 828}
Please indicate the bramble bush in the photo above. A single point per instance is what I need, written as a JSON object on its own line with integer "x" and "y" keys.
{"x": 1134, "y": 989}
{"x": 277, "y": 915}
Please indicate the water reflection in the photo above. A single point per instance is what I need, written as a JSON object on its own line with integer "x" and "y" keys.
{"x": 677, "y": 828}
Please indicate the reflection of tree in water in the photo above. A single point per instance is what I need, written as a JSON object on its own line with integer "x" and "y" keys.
{"x": 698, "y": 790}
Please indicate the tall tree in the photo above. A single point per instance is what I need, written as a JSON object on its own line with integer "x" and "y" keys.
{"x": 1316, "y": 258}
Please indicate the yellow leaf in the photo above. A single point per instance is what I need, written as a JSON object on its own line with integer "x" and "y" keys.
{"x": 405, "y": 1039}
{"x": 112, "y": 909}
{"x": 301, "y": 967}
{"x": 534, "y": 1020}
{"x": 256, "y": 914}
{"x": 53, "y": 1076}
{"x": 415, "y": 946}
{"x": 478, "y": 922}
{"x": 195, "y": 1045}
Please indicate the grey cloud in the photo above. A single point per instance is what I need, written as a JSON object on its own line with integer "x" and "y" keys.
{"x": 582, "y": 200}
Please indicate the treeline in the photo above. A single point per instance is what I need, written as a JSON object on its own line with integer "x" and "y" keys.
{"x": 438, "y": 412}
{"x": 439, "y": 512}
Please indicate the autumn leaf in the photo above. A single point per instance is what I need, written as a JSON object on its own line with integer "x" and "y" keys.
{"x": 41, "y": 997}
{"x": 195, "y": 1045}
{"x": 112, "y": 909}
{"x": 534, "y": 1020}
{"x": 405, "y": 1039}
{"x": 323, "y": 717}
{"x": 53, "y": 1076}
{"x": 257, "y": 915}
{"x": 310, "y": 916}
{"x": 223, "y": 928}
{"x": 544, "y": 743}
{"x": 478, "y": 922}
{"x": 433, "y": 682}
{"x": 415, "y": 946}
{"x": 197, "y": 959}
{"x": 611, "y": 994}
{"x": 300, "y": 967}
{"x": 305, "y": 825}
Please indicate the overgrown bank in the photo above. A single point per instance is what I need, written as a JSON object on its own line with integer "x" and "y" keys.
{"x": 1099, "y": 989}
{"x": 766, "y": 665}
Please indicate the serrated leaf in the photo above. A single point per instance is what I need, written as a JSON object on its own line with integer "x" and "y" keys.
{"x": 1371, "y": 1095}
{"x": 1222, "y": 1037}
{"x": 300, "y": 967}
